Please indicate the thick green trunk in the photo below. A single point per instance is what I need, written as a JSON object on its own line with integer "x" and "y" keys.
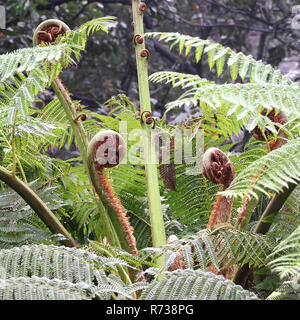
{"x": 142, "y": 58}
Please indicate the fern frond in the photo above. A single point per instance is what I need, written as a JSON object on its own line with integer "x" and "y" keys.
{"x": 288, "y": 290}
{"x": 195, "y": 285}
{"x": 19, "y": 225}
{"x": 75, "y": 265}
{"x": 276, "y": 169}
{"x": 193, "y": 200}
{"x": 286, "y": 256}
{"x": 220, "y": 248}
{"x": 36, "y": 288}
{"x": 218, "y": 55}
{"x": 135, "y": 262}
{"x": 178, "y": 79}
{"x": 77, "y": 39}
{"x": 62, "y": 266}
{"x": 19, "y": 96}
{"x": 28, "y": 59}
{"x": 95, "y": 25}
{"x": 242, "y": 99}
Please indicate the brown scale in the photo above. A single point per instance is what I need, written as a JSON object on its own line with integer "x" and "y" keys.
{"x": 218, "y": 169}
{"x": 49, "y": 33}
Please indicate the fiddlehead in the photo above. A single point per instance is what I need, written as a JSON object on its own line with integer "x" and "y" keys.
{"x": 218, "y": 169}
{"x": 48, "y": 30}
{"x": 106, "y": 150}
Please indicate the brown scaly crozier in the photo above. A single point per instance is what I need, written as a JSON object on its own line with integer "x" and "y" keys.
{"x": 218, "y": 169}
{"x": 108, "y": 150}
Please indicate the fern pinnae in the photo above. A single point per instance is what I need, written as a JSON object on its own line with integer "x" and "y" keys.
{"x": 195, "y": 288}
{"x": 185, "y": 288}
{"x": 228, "y": 249}
{"x": 208, "y": 286}
{"x": 285, "y": 168}
{"x": 246, "y": 253}
{"x": 194, "y": 285}
{"x": 170, "y": 257}
{"x": 285, "y": 257}
{"x": 42, "y": 289}
{"x": 187, "y": 256}
{"x": 218, "y": 53}
{"x": 199, "y": 254}
{"x": 28, "y": 59}
{"x": 57, "y": 265}
{"x": 224, "y": 254}
{"x": 210, "y": 250}
{"x": 175, "y": 288}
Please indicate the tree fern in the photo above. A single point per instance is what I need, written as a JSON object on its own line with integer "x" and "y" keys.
{"x": 18, "y": 94}
{"x": 242, "y": 99}
{"x": 244, "y": 102}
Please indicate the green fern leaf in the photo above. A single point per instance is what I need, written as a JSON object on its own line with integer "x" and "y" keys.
{"x": 195, "y": 285}
{"x": 276, "y": 169}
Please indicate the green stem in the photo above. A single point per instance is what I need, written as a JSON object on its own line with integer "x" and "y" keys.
{"x": 39, "y": 207}
{"x": 274, "y": 207}
{"x": 156, "y": 216}
{"x": 71, "y": 114}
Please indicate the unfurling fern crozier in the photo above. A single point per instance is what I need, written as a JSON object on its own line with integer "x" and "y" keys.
{"x": 218, "y": 169}
{"x": 48, "y": 30}
{"x": 106, "y": 150}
